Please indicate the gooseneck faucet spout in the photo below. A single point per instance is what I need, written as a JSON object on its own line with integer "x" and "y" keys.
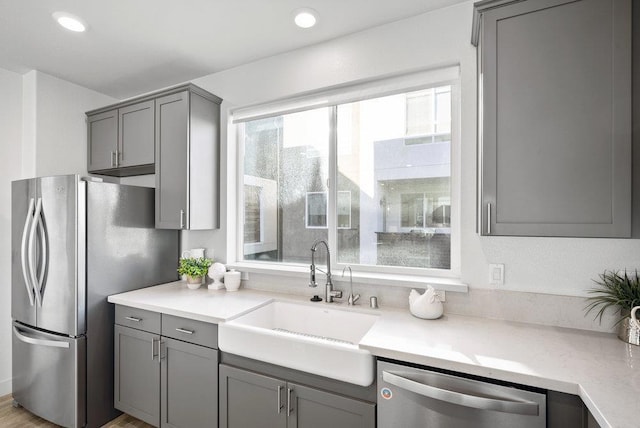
{"x": 329, "y": 292}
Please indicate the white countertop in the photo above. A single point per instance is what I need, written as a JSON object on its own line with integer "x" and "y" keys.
{"x": 598, "y": 367}
{"x": 202, "y": 304}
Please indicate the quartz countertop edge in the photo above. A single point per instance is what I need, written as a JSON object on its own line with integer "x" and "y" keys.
{"x": 598, "y": 367}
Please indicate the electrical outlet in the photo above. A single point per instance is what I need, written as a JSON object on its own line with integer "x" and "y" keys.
{"x": 496, "y": 274}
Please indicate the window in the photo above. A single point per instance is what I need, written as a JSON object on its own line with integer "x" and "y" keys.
{"x": 390, "y": 208}
{"x": 316, "y": 210}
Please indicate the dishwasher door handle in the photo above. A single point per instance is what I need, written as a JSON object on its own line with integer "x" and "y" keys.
{"x": 461, "y": 399}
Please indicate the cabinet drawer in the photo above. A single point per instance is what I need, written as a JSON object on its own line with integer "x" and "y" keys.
{"x": 198, "y": 332}
{"x": 138, "y": 318}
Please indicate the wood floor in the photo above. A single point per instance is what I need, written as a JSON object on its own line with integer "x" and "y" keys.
{"x": 10, "y": 417}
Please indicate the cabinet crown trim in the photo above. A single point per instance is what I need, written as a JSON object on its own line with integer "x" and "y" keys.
{"x": 150, "y": 96}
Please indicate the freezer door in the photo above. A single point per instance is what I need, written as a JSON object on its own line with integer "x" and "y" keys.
{"x": 49, "y": 375}
{"x": 23, "y": 198}
{"x": 58, "y": 255}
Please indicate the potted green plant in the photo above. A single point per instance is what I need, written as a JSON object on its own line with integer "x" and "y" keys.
{"x": 622, "y": 292}
{"x": 194, "y": 269}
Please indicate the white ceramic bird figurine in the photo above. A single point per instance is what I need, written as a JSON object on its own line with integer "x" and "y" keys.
{"x": 426, "y": 305}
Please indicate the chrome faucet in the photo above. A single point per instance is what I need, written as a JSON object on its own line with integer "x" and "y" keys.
{"x": 329, "y": 292}
{"x": 353, "y": 298}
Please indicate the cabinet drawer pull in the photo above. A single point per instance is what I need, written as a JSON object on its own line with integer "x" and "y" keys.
{"x": 182, "y": 330}
{"x": 134, "y": 319}
{"x": 489, "y": 219}
{"x": 117, "y": 158}
{"x": 113, "y": 163}
{"x": 280, "y": 406}
{"x": 181, "y": 219}
{"x": 289, "y": 409}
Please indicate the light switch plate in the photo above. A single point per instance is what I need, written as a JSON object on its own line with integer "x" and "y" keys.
{"x": 496, "y": 274}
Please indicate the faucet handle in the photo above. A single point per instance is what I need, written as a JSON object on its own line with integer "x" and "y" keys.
{"x": 353, "y": 298}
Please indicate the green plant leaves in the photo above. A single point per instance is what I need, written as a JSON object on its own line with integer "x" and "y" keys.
{"x": 620, "y": 291}
{"x": 194, "y": 266}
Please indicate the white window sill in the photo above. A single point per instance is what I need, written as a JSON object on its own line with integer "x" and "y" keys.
{"x": 373, "y": 278}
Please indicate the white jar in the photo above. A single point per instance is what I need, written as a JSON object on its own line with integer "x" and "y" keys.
{"x": 232, "y": 280}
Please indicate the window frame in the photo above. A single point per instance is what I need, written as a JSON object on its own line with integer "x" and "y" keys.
{"x": 444, "y": 278}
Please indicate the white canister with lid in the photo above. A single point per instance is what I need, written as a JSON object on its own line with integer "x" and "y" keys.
{"x": 232, "y": 280}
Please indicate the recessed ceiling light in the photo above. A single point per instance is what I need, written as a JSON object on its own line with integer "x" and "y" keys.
{"x": 305, "y": 18}
{"x": 70, "y": 22}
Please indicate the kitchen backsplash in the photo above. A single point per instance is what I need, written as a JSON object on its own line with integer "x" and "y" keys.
{"x": 516, "y": 306}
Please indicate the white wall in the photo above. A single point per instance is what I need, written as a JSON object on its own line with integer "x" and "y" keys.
{"x": 60, "y": 128}
{"x": 10, "y": 153}
{"x": 544, "y": 265}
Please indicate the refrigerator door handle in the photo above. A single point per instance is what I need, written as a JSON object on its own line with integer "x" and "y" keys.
{"x": 41, "y": 342}
{"x": 23, "y": 252}
{"x": 522, "y": 407}
{"x": 32, "y": 252}
{"x": 44, "y": 251}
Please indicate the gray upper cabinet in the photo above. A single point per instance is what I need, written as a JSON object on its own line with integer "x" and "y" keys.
{"x": 120, "y": 141}
{"x": 555, "y": 117}
{"x": 187, "y": 144}
{"x": 102, "y": 137}
{"x": 136, "y": 137}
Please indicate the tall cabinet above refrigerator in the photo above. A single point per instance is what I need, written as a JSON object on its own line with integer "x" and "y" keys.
{"x": 75, "y": 242}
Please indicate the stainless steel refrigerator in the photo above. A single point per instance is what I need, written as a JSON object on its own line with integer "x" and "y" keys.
{"x": 75, "y": 242}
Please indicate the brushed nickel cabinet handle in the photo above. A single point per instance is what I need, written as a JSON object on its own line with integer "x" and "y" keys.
{"x": 134, "y": 319}
{"x": 280, "y": 406}
{"x": 289, "y": 409}
{"x": 182, "y": 330}
{"x": 489, "y": 219}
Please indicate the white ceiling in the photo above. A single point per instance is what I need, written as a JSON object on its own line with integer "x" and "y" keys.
{"x": 135, "y": 46}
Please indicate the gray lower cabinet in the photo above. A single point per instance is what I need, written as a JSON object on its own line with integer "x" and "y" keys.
{"x": 163, "y": 379}
{"x": 137, "y": 374}
{"x": 187, "y": 148}
{"x": 555, "y": 117}
{"x": 189, "y": 385}
{"x": 276, "y": 403}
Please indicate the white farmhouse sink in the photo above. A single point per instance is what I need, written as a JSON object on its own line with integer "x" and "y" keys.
{"x": 309, "y": 337}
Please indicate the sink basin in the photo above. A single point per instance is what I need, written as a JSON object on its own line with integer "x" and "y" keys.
{"x": 313, "y": 338}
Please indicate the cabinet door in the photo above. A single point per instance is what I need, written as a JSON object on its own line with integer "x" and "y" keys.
{"x": 172, "y": 137}
{"x": 189, "y": 382}
{"x": 102, "y": 140}
{"x": 251, "y": 400}
{"x": 136, "y": 134}
{"x": 137, "y": 374}
{"x": 556, "y": 126}
{"x": 312, "y": 408}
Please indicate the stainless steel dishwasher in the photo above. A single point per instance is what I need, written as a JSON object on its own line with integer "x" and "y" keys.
{"x": 414, "y": 397}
